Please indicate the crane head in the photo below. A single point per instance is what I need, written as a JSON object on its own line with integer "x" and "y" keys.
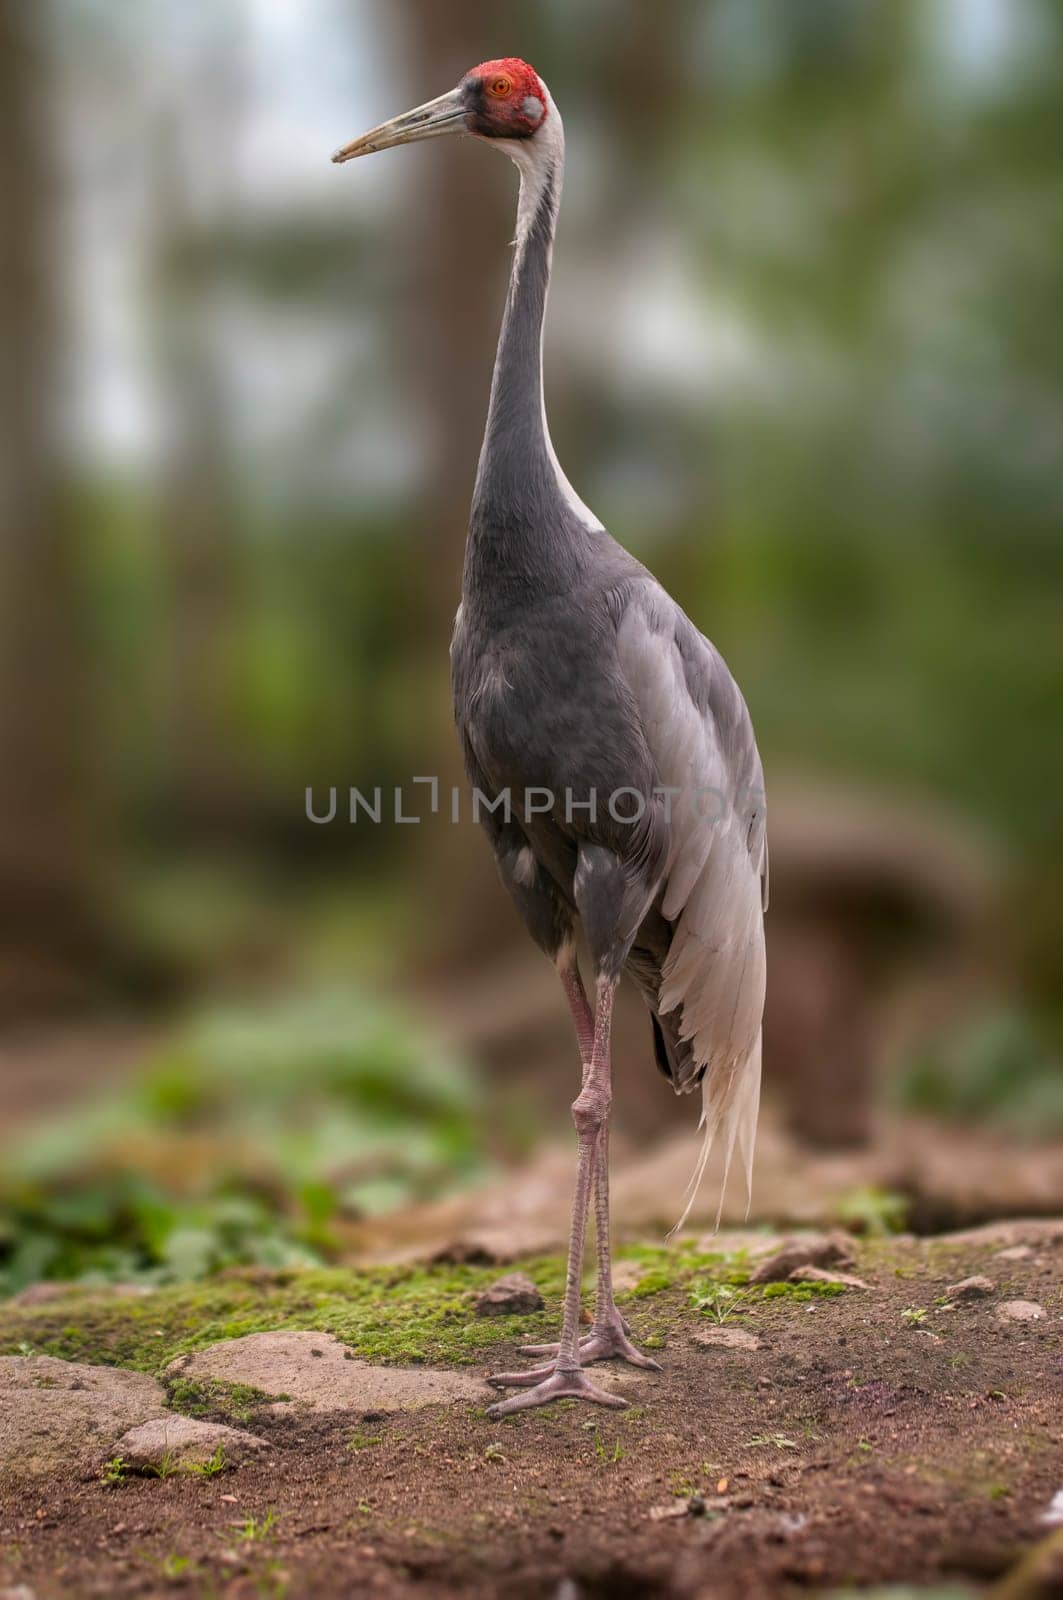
{"x": 503, "y": 99}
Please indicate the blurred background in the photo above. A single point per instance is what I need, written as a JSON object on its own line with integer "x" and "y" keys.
{"x": 804, "y": 358}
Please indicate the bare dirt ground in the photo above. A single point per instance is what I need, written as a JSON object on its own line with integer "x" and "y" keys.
{"x": 886, "y": 1434}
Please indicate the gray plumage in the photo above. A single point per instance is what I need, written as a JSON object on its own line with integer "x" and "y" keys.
{"x": 578, "y": 681}
{"x": 573, "y": 671}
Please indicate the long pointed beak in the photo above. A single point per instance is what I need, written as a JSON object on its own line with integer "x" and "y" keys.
{"x": 447, "y": 114}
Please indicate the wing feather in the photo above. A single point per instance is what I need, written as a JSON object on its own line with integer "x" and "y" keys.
{"x": 714, "y": 889}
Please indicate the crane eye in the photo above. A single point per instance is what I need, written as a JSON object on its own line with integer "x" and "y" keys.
{"x": 500, "y": 87}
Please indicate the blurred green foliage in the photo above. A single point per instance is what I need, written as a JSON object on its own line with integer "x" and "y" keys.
{"x": 998, "y": 1067}
{"x": 249, "y": 1140}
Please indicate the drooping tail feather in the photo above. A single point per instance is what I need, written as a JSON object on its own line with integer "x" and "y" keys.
{"x": 730, "y": 1102}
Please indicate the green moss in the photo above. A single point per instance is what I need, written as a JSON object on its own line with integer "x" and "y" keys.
{"x": 668, "y": 1266}
{"x": 652, "y": 1283}
{"x": 400, "y": 1315}
{"x": 801, "y": 1291}
{"x": 220, "y": 1402}
{"x": 397, "y": 1315}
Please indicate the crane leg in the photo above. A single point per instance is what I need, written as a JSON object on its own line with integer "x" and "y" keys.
{"x": 564, "y": 1378}
{"x": 609, "y": 1333}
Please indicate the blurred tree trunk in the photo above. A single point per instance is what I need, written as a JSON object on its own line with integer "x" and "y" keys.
{"x": 461, "y": 222}
{"x": 196, "y": 505}
{"x": 47, "y": 942}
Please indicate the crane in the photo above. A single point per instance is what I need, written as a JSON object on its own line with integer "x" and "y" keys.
{"x": 621, "y": 745}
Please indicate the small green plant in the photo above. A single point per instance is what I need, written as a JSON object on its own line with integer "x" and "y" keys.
{"x": 272, "y": 1581}
{"x": 494, "y": 1452}
{"x": 914, "y": 1315}
{"x": 172, "y": 1566}
{"x": 363, "y": 1441}
{"x": 612, "y": 1456}
{"x": 167, "y": 1467}
{"x": 255, "y": 1528}
{"x": 115, "y": 1472}
{"x": 211, "y": 1468}
{"x": 777, "y": 1441}
{"x": 719, "y": 1301}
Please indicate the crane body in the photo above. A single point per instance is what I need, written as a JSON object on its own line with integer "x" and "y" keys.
{"x": 577, "y": 676}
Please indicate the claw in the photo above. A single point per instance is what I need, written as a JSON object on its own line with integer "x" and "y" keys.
{"x": 520, "y": 1380}
{"x": 558, "y": 1386}
{"x": 600, "y": 1344}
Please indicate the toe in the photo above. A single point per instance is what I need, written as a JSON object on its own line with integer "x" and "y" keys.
{"x": 637, "y": 1359}
{"x": 520, "y": 1380}
{"x": 558, "y": 1386}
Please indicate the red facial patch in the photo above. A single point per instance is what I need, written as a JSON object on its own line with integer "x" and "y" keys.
{"x": 512, "y": 98}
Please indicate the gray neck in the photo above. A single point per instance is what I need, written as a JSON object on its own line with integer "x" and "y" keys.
{"x": 527, "y": 532}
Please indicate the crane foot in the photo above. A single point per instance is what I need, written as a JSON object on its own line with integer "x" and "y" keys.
{"x": 601, "y": 1344}
{"x": 556, "y": 1386}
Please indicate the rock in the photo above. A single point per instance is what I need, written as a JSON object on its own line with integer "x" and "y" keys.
{"x": 39, "y": 1294}
{"x": 821, "y": 1275}
{"x": 1020, "y": 1311}
{"x": 728, "y": 1338}
{"x": 512, "y": 1296}
{"x": 62, "y": 1413}
{"x": 971, "y": 1289}
{"x": 1053, "y": 1516}
{"x": 807, "y": 1250}
{"x": 1035, "y": 1231}
{"x": 317, "y": 1371}
{"x": 181, "y": 1443}
{"x": 680, "y": 1507}
{"x": 19, "y": 1591}
{"x": 1016, "y": 1252}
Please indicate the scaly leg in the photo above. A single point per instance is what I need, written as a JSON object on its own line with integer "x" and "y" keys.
{"x": 564, "y": 1378}
{"x": 609, "y": 1332}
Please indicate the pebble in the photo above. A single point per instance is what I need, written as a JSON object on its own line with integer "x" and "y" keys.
{"x": 971, "y": 1289}
{"x": 513, "y": 1295}
{"x": 728, "y": 1338}
{"x": 821, "y": 1275}
{"x": 283, "y": 1363}
{"x": 1021, "y": 1311}
{"x": 184, "y": 1443}
{"x": 811, "y": 1250}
